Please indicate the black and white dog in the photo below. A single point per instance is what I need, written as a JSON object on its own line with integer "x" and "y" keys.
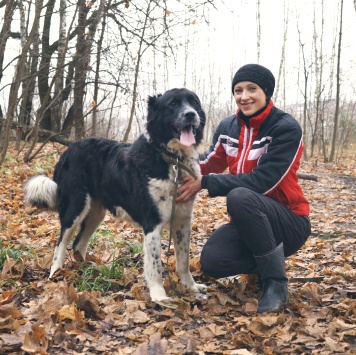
{"x": 97, "y": 174}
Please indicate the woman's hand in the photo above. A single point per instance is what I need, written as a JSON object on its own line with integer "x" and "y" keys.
{"x": 189, "y": 188}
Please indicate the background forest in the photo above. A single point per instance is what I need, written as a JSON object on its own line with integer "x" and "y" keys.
{"x": 70, "y": 69}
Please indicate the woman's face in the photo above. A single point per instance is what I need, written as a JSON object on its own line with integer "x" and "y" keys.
{"x": 249, "y": 97}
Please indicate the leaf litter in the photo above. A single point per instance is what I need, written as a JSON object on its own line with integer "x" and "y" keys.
{"x": 114, "y": 315}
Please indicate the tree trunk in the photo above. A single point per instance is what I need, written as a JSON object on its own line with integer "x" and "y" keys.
{"x": 305, "y": 93}
{"x": 29, "y": 84}
{"x": 83, "y": 48}
{"x": 4, "y": 34}
{"x": 26, "y": 82}
{"x": 337, "y": 104}
{"x": 258, "y": 20}
{"x": 97, "y": 70}
{"x": 283, "y": 55}
{"x": 44, "y": 68}
{"x": 318, "y": 69}
{"x": 58, "y": 85}
{"x": 17, "y": 81}
{"x": 137, "y": 69}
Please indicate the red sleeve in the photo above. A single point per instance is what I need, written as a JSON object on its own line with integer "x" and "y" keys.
{"x": 214, "y": 159}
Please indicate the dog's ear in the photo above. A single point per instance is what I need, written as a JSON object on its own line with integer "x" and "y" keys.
{"x": 151, "y": 107}
{"x": 152, "y": 104}
{"x": 152, "y": 100}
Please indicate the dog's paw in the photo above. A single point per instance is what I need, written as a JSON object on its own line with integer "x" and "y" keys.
{"x": 158, "y": 294}
{"x": 198, "y": 287}
{"x": 53, "y": 271}
{"x": 189, "y": 283}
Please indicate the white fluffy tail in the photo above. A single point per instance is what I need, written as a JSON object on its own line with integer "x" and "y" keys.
{"x": 41, "y": 191}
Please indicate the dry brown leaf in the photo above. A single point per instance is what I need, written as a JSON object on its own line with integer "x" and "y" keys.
{"x": 10, "y": 310}
{"x": 216, "y": 329}
{"x": 35, "y": 341}
{"x": 71, "y": 312}
{"x": 6, "y": 296}
{"x": 250, "y": 307}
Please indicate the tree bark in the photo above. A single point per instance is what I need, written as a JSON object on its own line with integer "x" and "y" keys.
{"x": 83, "y": 48}
{"x": 337, "y": 104}
{"x": 44, "y": 67}
{"x": 29, "y": 83}
{"x": 258, "y": 20}
{"x": 318, "y": 69}
{"x": 138, "y": 62}
{"x": 58, "y": 85}
{"x": 305, "y": 92}
{"x": 97, "y": 71}
{"x": 17, "y": 80}
{"x": 4, "y": 34}
{"x": 283, "y": 56}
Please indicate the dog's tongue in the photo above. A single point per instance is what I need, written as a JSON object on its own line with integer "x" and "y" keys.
{"x": 187, "y": 137}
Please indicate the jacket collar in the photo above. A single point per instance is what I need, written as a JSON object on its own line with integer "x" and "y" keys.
{"x": 256, "y": 121}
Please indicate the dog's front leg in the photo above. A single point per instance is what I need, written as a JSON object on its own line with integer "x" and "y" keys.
{"x": 181, "y": 237}
{"x": 153, "y": 264}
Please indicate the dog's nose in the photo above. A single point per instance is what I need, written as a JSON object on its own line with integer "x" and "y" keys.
{"x": 190, "y": 115}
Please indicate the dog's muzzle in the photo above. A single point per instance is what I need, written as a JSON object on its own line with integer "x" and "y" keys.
{"x": 186, "y": 128}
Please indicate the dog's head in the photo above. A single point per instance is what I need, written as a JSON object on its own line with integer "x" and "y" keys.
{"x": 175, "y": 114}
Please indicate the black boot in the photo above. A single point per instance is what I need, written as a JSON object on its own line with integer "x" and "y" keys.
{"x": 271, "y": 267}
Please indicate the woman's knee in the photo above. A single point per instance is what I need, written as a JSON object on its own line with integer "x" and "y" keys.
{"x": 209, "y": 262}
{"x": 218, "y": 265}
{"x": 215, "y": 249}
{"x": 239, "y": 201}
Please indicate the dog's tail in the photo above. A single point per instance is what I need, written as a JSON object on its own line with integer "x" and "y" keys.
{"x": 41, "y": 191}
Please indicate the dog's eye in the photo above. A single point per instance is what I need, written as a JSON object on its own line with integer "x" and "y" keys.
{"x": 173, "y": 103}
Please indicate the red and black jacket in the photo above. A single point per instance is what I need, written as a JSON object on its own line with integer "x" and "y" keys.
{"x": 263, "y": 157}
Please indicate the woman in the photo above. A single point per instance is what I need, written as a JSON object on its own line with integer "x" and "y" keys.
{"x": 261, "y": 146}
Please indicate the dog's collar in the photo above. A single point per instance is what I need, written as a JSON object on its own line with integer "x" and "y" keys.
{"x": 173, "y": 159}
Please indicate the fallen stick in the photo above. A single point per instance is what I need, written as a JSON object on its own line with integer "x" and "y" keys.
{"x": 307, "y": 177}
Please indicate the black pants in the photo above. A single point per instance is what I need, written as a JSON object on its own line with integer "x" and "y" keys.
{"x": 258, "y": 224}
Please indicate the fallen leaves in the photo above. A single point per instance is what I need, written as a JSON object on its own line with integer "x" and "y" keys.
{"x": 41, "y": 316}
{"x": 35, "y": 340}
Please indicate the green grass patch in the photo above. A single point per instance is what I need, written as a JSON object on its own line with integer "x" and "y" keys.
{"x": 108, "y": 277}
{"x": 101, "y": 278}
{"x": 135, "y": 248}
{"x": 104, "y": 235}
{"x": 13, "y": 253}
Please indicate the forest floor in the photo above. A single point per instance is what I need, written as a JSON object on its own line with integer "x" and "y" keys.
{"x": 102, "y": 306}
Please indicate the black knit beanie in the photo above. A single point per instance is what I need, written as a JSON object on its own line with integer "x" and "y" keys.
{"x": 258, "y": 74}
